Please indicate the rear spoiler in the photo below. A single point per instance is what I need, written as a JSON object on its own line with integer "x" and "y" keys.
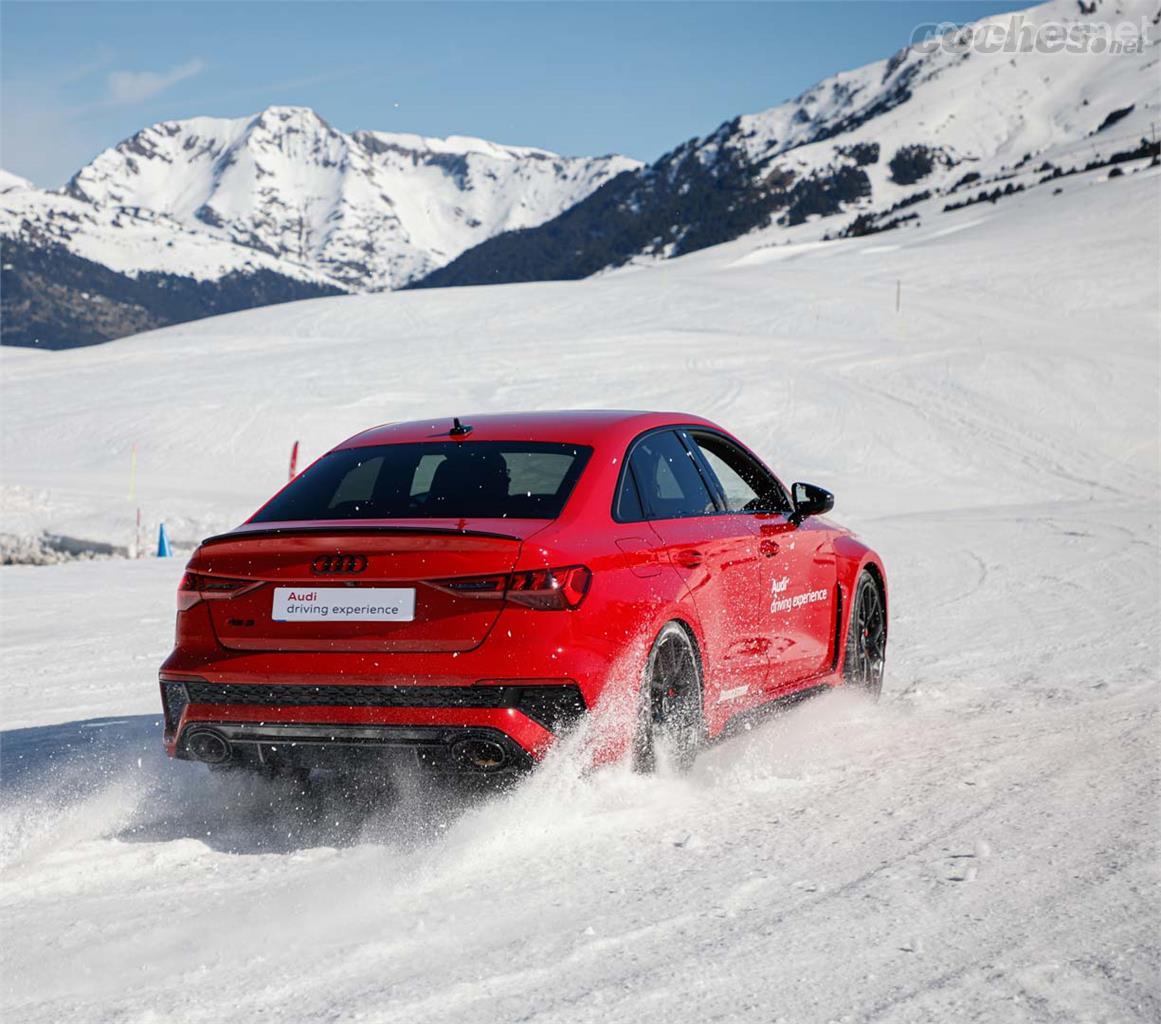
{"x": 278, "y": 531}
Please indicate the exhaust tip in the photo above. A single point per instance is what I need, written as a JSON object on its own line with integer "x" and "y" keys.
{"x": 208, "y": 747}
{"x": 480, "y": 755}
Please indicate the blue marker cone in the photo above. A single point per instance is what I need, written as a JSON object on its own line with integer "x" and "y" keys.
{"x": 163, "y": 548}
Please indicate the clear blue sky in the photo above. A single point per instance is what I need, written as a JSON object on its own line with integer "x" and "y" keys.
{"x": 635, "y": 78}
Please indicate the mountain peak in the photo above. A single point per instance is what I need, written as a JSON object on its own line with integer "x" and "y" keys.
{"x": 275, "y": 110}
{"x": 292, "y": 118}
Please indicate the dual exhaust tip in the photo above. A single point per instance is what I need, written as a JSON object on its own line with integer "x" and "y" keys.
{"x": 474, "y": 753}
{"x": 478, "y": 754}
{"x": 208, "y": 746}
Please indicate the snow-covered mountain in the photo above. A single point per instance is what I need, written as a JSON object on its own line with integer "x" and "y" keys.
{"x": 281, "y": 195}
{"x": 366, "y": 211}
{"x": 936, "y": 125}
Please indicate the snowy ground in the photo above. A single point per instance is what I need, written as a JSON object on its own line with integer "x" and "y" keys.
{"x": 982, "y": 845}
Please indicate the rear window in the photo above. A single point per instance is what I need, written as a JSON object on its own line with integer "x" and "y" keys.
{"x": 460, "y": 480}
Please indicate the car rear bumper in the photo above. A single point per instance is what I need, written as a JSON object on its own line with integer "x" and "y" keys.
{"x": 307, "y": 746}
{"x": 472, "y": 728}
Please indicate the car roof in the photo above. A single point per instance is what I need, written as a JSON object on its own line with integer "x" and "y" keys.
{"x": 570, "y": 426}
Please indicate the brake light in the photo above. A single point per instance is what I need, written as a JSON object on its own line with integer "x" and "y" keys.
{"x": 542, "y": 589}
{"x": 197, "y": 586}
{"x": 550, "y": 589}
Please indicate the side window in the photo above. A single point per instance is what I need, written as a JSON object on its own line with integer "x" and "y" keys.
{"x": 628, "y": 508}
{"x": 746, "y": 485}
{"x": 669, "y": 482}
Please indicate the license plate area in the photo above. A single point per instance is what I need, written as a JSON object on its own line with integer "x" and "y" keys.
{"x": 343, "y": 604}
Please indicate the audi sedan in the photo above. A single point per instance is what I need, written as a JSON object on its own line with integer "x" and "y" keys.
{"x": 462, "y": 593}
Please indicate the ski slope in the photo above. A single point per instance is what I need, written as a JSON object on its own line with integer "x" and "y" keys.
{"x": 981, "y": 845}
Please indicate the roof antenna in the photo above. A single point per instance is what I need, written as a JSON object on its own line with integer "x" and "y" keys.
{"x": 459, "y": 429}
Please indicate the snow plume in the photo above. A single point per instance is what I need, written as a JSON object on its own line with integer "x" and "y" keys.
{"x": 38, "y": 823}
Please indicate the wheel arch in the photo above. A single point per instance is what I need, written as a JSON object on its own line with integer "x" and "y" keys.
{"x": 853, "y": 558}
{"x": 695, "y": 643}
{"x": 874, "y": 568}
{"x": 690, "y": 629}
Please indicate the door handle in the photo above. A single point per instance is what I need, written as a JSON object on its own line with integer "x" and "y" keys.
{"x": 769, "y": 548}
{"x": 688, "y": 558}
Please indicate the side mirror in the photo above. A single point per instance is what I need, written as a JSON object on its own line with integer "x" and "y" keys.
{"x": 810, "y": 501}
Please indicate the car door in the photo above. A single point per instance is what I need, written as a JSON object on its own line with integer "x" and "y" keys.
{"x": 717, "y": 557}
{"x": 797, "y": 586}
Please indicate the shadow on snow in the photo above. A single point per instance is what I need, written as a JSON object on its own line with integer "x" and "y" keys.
{"x": 50, "y": 771}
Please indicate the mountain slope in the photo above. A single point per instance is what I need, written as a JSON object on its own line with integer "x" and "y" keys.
{"x": 920, "y": 126}
{"x": 55, "y": 299}
{"x": 282, "y": 197}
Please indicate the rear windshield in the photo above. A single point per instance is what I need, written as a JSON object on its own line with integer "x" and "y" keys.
{"x": 460, "y": 480}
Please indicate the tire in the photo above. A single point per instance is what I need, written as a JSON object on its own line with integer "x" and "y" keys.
{"x": 670, "y": 724}
{"x": 866, "y": 651}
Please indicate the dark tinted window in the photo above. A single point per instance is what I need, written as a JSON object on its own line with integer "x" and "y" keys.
{"x": 743, "y": 482}
{"x": 476, "y": 479}
{"x": 668, "y": 480}
{"x": 628, "y": 508}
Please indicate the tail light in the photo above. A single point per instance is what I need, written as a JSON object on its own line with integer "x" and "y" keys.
{"x": 197, "y": 586}
{"x": 542, "y": 589}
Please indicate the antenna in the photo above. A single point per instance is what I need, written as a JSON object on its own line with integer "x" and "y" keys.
{"x": 459, "y": 429}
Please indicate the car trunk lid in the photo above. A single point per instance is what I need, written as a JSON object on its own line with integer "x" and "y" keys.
{"x": 397, "y": 563}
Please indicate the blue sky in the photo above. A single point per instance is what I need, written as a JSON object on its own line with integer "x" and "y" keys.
{"x": 635, "y": 78}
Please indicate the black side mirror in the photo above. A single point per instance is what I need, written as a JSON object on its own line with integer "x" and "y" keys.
{"x": 810, "y": 501}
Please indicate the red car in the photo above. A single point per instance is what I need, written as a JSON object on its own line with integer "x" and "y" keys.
{"x": 462, "y": 593}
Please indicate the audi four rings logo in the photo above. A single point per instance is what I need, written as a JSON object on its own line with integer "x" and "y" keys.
{"x": 332, "y": 564}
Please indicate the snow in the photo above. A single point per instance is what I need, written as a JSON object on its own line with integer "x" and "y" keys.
{"x": 981, "y": 845}
{"x": 10, "y": 182}
{"x": 459, "y": 144}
